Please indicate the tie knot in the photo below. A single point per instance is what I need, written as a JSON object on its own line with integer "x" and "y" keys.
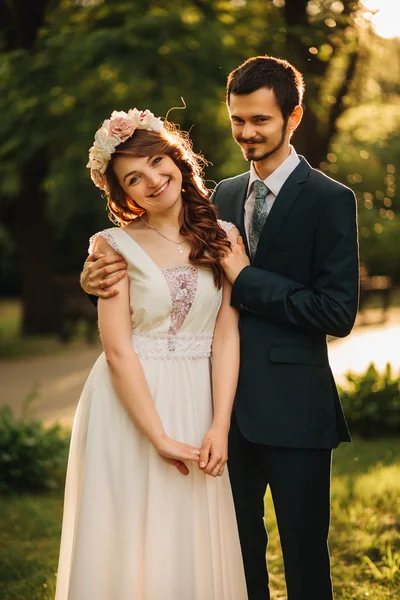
{"x": 260, "y": 189}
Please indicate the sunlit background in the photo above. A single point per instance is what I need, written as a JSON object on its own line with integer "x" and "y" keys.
{"x": 384, "y": 16}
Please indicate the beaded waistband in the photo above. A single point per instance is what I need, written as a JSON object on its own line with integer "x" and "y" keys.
{"x": 167, "y": 346}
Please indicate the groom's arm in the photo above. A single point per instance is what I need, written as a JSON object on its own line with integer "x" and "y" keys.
{"x": 330, "y": 306}
{"x": 101, "y": 274}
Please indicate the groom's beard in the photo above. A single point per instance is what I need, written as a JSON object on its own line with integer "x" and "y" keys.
{"x": 251, "y": 153}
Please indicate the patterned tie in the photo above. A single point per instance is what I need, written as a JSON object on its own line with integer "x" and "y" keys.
{"x": 259, "y": 215}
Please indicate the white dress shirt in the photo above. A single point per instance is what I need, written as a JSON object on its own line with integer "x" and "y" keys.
{"x": 274, "y": 183}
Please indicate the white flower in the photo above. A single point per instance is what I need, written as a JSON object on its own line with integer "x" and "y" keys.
{"x": 155, "y": 124}
{"x": 150, "y": 122}
{"x": 98, "y": 158}
{"x": 118, "y": 114}
{"x": 134, "y": 116}
{"x": 106, "y": 142}
{"x": 145, "y": 120}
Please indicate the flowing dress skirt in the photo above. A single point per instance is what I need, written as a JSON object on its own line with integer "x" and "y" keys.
{"x": 134, "y": 528}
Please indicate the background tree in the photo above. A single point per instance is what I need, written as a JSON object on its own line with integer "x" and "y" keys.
{"x": 24, "y": 205}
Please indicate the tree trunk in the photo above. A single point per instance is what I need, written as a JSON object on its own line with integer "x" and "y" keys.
{"x": 31, "y": 232}
{"x": 314, "y": 138}
{"x": 308, "y": 140}
{"x": 21, "y": 21}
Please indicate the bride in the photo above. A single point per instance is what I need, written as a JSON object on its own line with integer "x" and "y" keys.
{"x": 148, "y": 511}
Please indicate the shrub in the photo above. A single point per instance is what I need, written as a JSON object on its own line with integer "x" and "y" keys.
{"x": 32, "y": 457}
{"x": 371, "y": 402}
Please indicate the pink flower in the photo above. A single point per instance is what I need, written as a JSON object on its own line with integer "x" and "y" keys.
{"x": 122, "y": 128}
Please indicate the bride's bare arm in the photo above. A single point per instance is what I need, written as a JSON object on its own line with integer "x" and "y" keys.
{"x": 225, "y": 370}
{"x": 127, "y": 373}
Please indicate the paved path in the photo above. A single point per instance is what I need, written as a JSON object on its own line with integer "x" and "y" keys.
{"x": 377, "y": 344}
{"x": 59, "y": 379}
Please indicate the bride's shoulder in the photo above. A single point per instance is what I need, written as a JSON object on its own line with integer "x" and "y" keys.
{"x": 103, "y": 239}
{"x": 230, "y": 229}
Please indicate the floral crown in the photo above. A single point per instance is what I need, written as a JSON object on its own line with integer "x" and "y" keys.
{"x": 115, "y": 130}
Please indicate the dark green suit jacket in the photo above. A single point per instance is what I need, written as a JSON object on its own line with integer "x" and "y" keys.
{"x": 301, "y": 287}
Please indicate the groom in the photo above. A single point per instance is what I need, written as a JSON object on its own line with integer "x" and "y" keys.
{"x": 300, "y": 229}
{"x": 301, "y": 283}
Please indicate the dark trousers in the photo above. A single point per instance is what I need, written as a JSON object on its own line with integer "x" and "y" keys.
{"x": 300, "y": 486}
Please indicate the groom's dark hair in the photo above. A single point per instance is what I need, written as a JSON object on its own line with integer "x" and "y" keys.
{"x": 272, "y": 73}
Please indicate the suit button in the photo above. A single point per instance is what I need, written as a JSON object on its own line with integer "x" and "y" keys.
{"x": 241, "y": 305}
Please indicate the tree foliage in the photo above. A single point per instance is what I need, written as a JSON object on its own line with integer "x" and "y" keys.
{"x": 66, "y": 65}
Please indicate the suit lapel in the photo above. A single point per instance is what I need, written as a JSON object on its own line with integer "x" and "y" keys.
{"x": 238, "y": 206}
{"x": 280, "y": 209}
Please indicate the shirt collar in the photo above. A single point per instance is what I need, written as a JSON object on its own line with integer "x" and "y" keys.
{"x": 275, "y": 181}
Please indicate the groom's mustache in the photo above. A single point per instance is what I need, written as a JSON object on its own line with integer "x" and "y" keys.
{"x": 251, "y": 141}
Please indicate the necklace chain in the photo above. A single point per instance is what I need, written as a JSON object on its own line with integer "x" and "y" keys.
{"x": 178, "y": 244}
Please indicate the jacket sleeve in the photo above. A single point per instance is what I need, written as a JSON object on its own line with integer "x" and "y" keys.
{"x": 93, "y": 299}
{"x": 330, "y": 304}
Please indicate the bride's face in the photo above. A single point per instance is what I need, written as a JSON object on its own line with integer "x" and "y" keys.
{"x": 153, "y": 182}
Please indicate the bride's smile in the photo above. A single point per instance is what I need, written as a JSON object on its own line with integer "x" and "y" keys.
{"x": 153, "y": 182}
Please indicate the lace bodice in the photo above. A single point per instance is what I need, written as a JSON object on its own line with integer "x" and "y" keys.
{"x": 182, "y": 284}
{"x": 173, "y": 309}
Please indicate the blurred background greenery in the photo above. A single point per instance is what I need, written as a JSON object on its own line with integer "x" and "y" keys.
{"x": 66, "y": 65}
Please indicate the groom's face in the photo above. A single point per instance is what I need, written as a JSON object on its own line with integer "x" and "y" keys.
{"x": 257, "y": 123}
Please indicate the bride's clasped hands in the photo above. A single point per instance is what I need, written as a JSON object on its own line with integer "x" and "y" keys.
{"x": 176, "y": 453}
{"x": 214, "y": 451}
{"x": 211, "y": 457}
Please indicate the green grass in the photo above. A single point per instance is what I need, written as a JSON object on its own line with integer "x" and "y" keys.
{"x": 30, "y": 531}
{"x": 365, "y": 524}
{"x": 364, "y": 540}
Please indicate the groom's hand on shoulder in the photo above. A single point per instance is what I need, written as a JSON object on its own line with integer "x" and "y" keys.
{"x": 235, "y": 260}
{"x": 101, "y": 272}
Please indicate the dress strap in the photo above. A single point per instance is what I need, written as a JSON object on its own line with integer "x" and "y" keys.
{"x": 107, "y": 235}
{"x": 226, "y": 225}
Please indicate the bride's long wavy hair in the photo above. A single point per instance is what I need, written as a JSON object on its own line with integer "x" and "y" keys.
{"x": 198, "y": 219}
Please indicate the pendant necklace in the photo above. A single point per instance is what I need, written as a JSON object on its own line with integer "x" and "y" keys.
{"x": 178, "y": 244}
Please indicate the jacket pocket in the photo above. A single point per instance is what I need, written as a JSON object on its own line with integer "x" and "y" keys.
{"x": 301, "y": 355}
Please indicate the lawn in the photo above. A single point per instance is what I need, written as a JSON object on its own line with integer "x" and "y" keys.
{"x": 364, "y": 540}
{"x": 365, "y": 524}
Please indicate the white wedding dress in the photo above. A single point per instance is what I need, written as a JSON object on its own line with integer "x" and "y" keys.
{"x": 134, "y": 528}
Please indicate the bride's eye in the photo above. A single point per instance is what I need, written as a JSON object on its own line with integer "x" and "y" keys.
{"x": 134, "y": 180}
{"x": 157, "y": 160}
